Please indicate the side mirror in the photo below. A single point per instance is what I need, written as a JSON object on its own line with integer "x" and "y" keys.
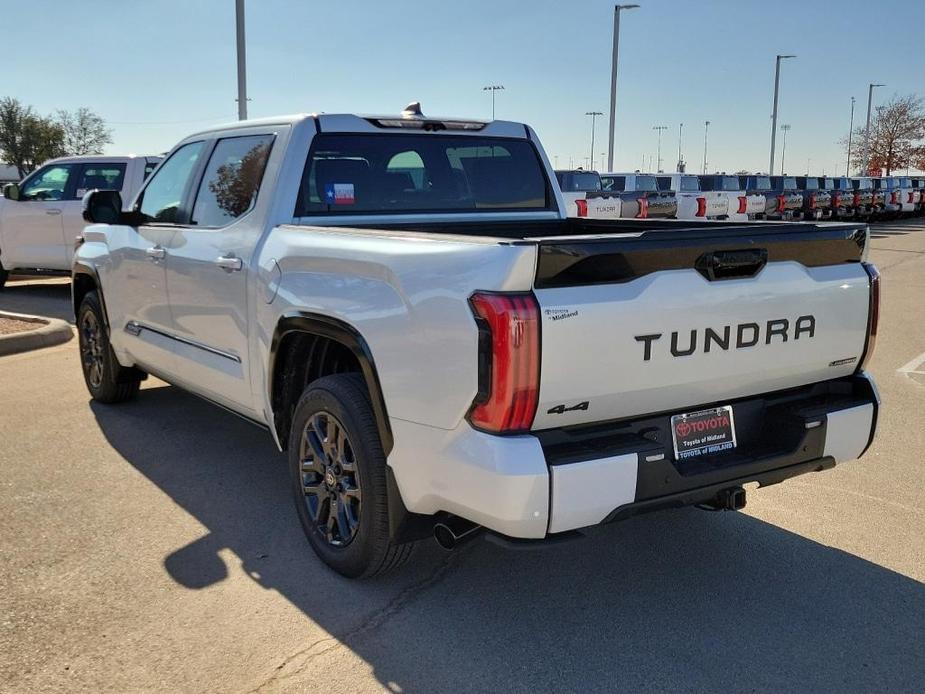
{"x": 11, "y": 191}
{"x": 102, "y": 206}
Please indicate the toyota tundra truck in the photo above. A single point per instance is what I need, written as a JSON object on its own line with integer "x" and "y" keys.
{"x": 405, "y": 305}
{"x": 584, "y": 195}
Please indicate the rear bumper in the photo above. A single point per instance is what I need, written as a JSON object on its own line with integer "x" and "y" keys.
{"x": 535, "y": 486}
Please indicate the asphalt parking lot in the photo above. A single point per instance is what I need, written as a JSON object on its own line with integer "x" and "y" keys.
{"x": 153, "y": 546}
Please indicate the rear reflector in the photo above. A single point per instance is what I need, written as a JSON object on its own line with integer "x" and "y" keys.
{"x": 701, "y": 207}
{"x": 509, "y": 362}
{"x": 743, "y": 204}
{"x": 582, "y": 208}
{"x": 873, "y": 316}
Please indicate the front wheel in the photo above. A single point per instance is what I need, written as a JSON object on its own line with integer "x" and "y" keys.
{"x": 338, "y": 478}
{"x": 106, "y": 379}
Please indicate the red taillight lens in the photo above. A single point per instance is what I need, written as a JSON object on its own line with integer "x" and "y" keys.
{"x": 743, "y": 204}
{"x": 781, "y": 203}
{"x": 509, "y": 361}
{"x": 836, "y": 200}
{"x": 701, "y": 207}
{"x": 893, "y": 200}
{"x": 643, "y": 208}
{"x": 857, "y": 199}
{"x": 812, "y": 201}
{"x": 582, "y": 208}
{"x": 911, "y": 197}
{"x": 873, "y": 316}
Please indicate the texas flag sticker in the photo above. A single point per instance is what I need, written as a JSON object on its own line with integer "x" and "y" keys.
{"x": 339, "y": 194}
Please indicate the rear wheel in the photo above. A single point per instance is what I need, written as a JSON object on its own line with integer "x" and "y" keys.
{"x": 338, "y": 478}
{"x": 106, "y": 379}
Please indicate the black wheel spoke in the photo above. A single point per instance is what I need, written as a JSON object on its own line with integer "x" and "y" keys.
{"x": 329, "y": 479}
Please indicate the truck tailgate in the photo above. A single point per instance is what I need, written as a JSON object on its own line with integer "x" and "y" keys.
{"x": 667, "y": 321}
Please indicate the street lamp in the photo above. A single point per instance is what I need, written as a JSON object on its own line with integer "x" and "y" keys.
{"x": 785, "y": 129}
{"x": 613, "y": 78}
{"x": 594, "y": 115}
{"x": 774, "y": 112}
{"x": 493, "y": 88}
{"x": 242, "y": 60}
{"x": 870, "y": 97}
{"x": 706, "y": 129}
{"x": 658, "y": 158}
{"x": 850, "y": 133}
{"x": 680, "y": 158}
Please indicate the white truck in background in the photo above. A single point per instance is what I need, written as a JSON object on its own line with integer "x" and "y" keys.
{"x": 404, "y": 303}
{"x": 693, "y": 202}
{"x": 585, "y": 196}
{"x": 40, "y": 218}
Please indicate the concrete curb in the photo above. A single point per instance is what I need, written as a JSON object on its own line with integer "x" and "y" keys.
{"x": 50, "y": 332}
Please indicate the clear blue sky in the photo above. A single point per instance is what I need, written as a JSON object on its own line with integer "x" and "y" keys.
{"x": 158, "y": 70}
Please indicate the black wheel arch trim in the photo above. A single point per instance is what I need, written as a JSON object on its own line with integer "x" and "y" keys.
{"x": 91, "y": 272}
{"x": 344, "y": 333}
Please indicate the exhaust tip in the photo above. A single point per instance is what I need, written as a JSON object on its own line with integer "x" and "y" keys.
{"x": 452, "y": 532}
{"x": 444, "y": 537}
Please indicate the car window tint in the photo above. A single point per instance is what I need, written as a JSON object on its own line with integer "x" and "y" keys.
{"x": 690, "y": 184}
{"x": 48, "y": 183}
{"x": 232, "y": 179}
{"x": 396, "y": 173}
{"x": 646, "y": 183}
{"x": 613, "y": 183}
{"x": 100, "y": 176}
{"x": 149, "y": 167}
{"x": 161, "y": 198}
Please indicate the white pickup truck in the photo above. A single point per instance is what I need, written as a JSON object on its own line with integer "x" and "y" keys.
{"x": 584, "y": 196}
{"x": 404, "y": 304}
{"x": 40, "y": 218}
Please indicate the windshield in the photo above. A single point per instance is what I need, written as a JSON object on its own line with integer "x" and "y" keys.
{"x": 386, "y": 173}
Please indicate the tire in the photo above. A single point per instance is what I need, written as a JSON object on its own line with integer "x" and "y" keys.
{"x": 345, "y": 474}
{"x": 106, "y": 379}
{"x": 3, "y": 275}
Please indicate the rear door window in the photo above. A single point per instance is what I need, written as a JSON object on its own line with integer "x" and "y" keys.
{"x": 398, "y": 173}
{"x": 232, "y": 178}
{"x": 101, "y": 176}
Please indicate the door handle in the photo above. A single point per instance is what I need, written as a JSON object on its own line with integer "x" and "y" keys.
{"x": 53, "y": 211}
{"x": 156, "y": 253}
{"x": 229, "y": 263}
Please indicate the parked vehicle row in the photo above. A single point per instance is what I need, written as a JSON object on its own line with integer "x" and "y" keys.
{"x": 739, "y": 198}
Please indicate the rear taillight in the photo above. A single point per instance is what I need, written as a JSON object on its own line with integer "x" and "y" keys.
{"x": 582, "y": 208}
{"x": 701, "y": 207}
{"x": 873, "y": 315}
{"x": 509, "y": 361}
{"x": 743, "y": 204}
{"x": 643, "y": 208}
{"x": 812, "y": 201}
{"x": 836, "y": 200}
{"x": 781, "y": 203}
{"x": 857, "y": 199}
{"x": 911, "y": 197}
{"x": 893, "y": 199}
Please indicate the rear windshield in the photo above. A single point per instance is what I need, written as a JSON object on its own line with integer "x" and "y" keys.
{"x": 730, "y": 183}
{"x": 395, "y": 173}
{"x": 578, "y": 182}
{"x": 829, "y": 183}
{"x": 809, "y": 184}
{"x": 647, "y": 183}
{"x": 789, "y": 183}
{"x": 905, "y": 182}
{"x": 761, "y": 183}
{"x": 607, "y": 182}
{"x": 863, "y": 184}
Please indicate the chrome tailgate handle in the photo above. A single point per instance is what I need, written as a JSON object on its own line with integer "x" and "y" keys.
{"x": 229, "y": 263}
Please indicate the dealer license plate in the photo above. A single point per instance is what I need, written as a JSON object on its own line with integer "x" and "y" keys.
{"x": 706, "y": 432}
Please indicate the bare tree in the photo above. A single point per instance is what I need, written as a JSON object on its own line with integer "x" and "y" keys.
{"x": 895, "y": 132}
{"x": 27, "y": 139}
{"x": 84, "y": 132}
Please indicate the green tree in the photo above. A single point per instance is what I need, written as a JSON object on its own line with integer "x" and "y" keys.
{"x": 895, "y": 132}
{"x": 27, "y": 139}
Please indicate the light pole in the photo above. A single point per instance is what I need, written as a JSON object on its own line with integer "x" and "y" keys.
{"x": 706, "y": 130}
{"x": 493, "y": 88}
{"x": 613, "y": 78}
{"x": 850, "y": 133}
{"x": 870, "y": 98}
{"x": 785, "y": 128}
{"x": 680, "y": 158}
{"x": 774, "y": 111}
{"x": 594, "y": 115}
{"x": 242, "y": 60}
{"x": 658, "y": 157}
{"x": 603, "y": 159}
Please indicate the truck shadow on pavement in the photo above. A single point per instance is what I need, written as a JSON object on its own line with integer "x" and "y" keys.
{"x": 677, "y": 600}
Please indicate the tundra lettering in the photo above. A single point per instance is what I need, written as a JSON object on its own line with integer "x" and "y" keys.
{"x": 779, "y": 327}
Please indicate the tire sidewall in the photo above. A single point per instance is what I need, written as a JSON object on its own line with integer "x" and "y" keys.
{"x": 358, "y": 556}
